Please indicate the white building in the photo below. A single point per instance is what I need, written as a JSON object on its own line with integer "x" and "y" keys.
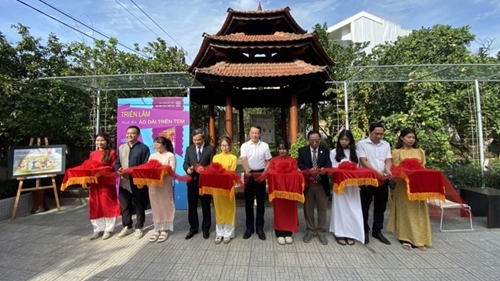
{"x": 365, "y": 27}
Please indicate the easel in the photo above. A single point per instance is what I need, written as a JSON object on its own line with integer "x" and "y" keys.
{"x": 37, "y": 187}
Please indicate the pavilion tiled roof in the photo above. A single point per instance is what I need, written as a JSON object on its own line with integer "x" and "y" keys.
{"x": 235, "y": 17}
{"x": 276, "y": 37}
{"x": 251, "y": 70}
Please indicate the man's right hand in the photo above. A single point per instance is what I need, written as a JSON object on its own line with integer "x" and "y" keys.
{"x": 381, "y": 176}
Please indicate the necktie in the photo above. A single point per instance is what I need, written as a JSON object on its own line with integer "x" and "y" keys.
{"x": 198, "y": 154}
{"x": 315, "y": 164}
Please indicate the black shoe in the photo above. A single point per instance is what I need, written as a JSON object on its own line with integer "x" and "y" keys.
{"x": 261, "y": 234}
{"x": 382, "y": 239}
{"x": 190, "y": 235}
{"x": 206, "y": 234}
{"x": 367, "y": 238}
{"x": 248, "y": 233}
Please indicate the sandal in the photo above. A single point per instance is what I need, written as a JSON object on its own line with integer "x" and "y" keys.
{"x": 422, "y": 248}
{"x": 163, "y": 236}
{"x": 350, "y": 242}
{"x": 407, "y": 246}
{"x": 341, "y": 241}
{"x": 154, "y": 237}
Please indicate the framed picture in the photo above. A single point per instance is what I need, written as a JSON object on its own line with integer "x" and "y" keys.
{"x": 36, "y": 161}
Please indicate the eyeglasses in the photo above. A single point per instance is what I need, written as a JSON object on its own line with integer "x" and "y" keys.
{"x": 314, "y": 140}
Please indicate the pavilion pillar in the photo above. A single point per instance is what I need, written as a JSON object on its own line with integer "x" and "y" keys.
{"x": 211, "y": 124}
{"x": 284, "y": 134}
{"x": 294, "y": 118}
{"x": 241, "y": 125}
{"x": 314, "y": 106}
{"x": 229, "y": 117}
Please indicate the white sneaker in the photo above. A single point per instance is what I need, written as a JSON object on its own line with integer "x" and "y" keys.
{"x": 218, "y": 239}
{"x": 125, "y": 231}
{"x": 289, "y": 239}
{"x": 138, "y": 233}
{"x": 96, "y": 235}
{"x": 106, "y": 235}
{"x": 281, "y": 240}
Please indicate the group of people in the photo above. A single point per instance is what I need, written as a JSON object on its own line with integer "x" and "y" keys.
{"x": 408, "y": 220}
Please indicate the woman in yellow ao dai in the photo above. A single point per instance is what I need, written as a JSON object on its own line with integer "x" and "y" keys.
{"x": 225, "y": 207}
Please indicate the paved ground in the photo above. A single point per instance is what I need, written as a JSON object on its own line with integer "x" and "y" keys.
{"x": 55, "y": 246}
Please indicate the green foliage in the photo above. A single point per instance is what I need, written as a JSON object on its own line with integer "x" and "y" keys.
{"x": 38, "y": 108}
{"x": 294, "y": 149}
{"x": 433, "y": 110}
{"x": 443, "y": 114}
{"x": 466, "y": 174}
{"x": 331, "y": 112}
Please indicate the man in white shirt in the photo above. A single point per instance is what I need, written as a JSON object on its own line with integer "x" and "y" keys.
{"x": 374, "y": 153}
{"x": 255, "y": 158}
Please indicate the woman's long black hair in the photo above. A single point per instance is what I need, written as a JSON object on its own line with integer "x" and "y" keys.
{"x": 352, "y": 147}
{"x": 106, "y": 155}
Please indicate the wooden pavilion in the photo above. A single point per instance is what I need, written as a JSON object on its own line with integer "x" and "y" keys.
{"x": 260, "y": 59}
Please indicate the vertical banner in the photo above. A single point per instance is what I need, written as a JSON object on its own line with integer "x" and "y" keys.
{"x": 167, "y": 117}
{"x": 266, "y": 122}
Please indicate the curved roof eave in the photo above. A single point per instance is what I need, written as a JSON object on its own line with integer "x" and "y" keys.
{"x": 253, "y": 13}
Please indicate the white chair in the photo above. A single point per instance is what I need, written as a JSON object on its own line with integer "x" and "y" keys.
{"x": 451, "y": 205}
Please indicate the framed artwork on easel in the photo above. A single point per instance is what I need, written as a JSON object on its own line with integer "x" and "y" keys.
{"x": 37, "y": 162}
{"x": 33, "y": 161}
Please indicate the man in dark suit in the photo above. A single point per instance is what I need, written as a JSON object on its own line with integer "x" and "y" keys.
{"x": 315, "y": 157}
{"x": 200, "y": 152}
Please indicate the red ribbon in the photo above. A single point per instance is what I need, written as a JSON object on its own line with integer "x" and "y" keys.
{"x": 152, "y": 172}
{"x": 88, "y": 172}
{"x": 421, "y": 183}
{"x": 216, "y": 180}
{"x": 347, "y": 174}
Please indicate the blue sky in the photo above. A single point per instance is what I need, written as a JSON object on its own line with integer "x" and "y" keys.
{"x": 186, "y": 20}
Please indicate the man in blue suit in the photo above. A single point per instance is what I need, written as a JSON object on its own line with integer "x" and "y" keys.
{"x": 315, "y": 157}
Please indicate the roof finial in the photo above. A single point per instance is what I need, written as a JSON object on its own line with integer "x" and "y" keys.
{"x": 259, "y": 8}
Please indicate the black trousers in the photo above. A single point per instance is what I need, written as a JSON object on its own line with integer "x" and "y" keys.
{"x": 379, "y": 195}
{"x": 193, "y": 194}
{"x": 138, "y": 198}
{"x": 257, "y": 190}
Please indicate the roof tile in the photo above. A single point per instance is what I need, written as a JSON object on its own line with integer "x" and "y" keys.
{"x": 277, "y": 36}
{"x": 281, "y": 69}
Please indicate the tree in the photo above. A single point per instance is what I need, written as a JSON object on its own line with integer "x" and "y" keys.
{"x": 429, "y": 108}
{"x": 105, "y": 58}
{"x": 332, "y": 112}
{"x": 34, "y": 107}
